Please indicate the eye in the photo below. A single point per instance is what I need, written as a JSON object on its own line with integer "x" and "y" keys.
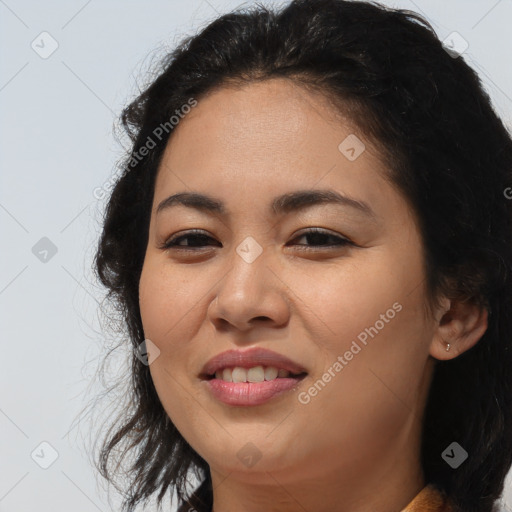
{"x": 198, "y": 239}
{"x": 198, "y": 236}
{"x": 317, "y": 235}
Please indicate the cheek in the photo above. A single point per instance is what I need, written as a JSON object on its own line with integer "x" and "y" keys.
{"x": 360, "y": 297}
{"x": 172, "y": 308}
{"x": 167, "y": 316}
{"x": 371, "y": 314}
{"x": 165, "y": 297}
{"x": 167, "y": 312}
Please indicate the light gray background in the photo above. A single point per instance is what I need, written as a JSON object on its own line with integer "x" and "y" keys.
{"x": 57, "y": 147}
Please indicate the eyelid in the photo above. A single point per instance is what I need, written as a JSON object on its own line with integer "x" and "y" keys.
{"x": 322, "y": 231}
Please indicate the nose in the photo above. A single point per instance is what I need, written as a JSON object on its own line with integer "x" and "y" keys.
{"x": 249, "y": 293}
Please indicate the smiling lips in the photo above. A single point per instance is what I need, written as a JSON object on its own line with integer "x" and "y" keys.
{"x": 254, "y": 374}
{"x": 250, "y": 377}
{"x": 250, "y": 358}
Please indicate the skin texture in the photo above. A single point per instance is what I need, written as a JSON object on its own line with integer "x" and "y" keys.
{"x": 355, "y": 445}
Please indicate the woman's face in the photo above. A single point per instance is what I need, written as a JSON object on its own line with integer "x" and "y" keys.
{"x": 350, "y": 314}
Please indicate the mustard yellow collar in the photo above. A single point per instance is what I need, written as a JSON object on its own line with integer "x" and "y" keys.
{"x": 428, "y": 500}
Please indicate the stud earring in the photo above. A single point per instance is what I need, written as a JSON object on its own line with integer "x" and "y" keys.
{"x": 447, "y": 347}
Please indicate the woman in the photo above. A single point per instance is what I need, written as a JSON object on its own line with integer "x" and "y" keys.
{"x": 311, "y": 244}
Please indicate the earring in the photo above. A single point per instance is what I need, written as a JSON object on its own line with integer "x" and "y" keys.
{"x": 447, "y": 347}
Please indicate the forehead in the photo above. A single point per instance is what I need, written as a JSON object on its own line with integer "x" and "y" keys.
{"x": 268, "y": 138}
{"x": 263, "y": 115}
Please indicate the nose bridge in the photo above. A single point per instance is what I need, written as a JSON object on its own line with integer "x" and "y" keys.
{"x": 249, "y": 289}
{"x": 248, "y": 272}
{"x": 249, "y": 250}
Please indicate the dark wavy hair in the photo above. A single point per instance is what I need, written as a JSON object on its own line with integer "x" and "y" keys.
{"x": 446, "y": 151}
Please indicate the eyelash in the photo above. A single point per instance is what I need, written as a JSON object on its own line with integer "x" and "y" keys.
{"x": 195, "y": 234}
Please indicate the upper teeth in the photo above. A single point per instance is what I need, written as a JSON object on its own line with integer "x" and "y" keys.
{"x": 255, "y": 374}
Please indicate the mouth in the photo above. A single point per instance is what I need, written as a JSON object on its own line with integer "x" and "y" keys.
{"x": 245, "y": 387}
{"x": 251, "y": 377}
{"x": 255, "y": 374}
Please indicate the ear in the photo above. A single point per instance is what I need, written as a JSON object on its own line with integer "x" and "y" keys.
{"x": 460, "y": 327}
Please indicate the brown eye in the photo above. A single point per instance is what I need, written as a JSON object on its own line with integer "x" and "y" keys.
{"x": 320, "y": 238}
{"x": 197, "y": 239}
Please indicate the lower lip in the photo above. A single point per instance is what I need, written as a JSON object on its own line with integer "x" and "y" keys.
{"x": 250, "y": 393}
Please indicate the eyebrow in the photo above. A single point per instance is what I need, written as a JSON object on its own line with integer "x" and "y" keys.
{"x": 283, "y": 204}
